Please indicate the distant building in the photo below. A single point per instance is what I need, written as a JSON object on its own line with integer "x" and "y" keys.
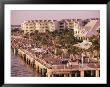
{"x": 88, "y": 30}
{"x": 15, "y": 27}
{"x": 53, "y": 25}
{"x": 83, "y": 29}
{"x": 68, "y": 24}
{"x": 40, "y": 25}
{"x": 28, "y": 26}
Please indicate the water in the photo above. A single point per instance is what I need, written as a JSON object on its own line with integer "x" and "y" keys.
{"x": 20, "y": 69}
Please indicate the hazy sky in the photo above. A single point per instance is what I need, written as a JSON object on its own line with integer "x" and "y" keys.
{"x": 18, "y": 16}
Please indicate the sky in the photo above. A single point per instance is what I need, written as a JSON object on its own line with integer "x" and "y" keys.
{"x": 18, "y": 16}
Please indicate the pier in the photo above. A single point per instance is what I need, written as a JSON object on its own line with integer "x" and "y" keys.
{"x": 50, "y": 66}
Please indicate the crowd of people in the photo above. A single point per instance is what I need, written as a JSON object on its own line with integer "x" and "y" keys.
{"x": 46, "y": 56}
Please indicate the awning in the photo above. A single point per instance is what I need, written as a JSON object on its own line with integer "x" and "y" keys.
{"x": 84, "y": 45}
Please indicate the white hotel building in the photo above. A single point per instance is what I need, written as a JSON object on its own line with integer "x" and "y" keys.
{"x": 40, "y": 25}
{"x": 81, "y": 32}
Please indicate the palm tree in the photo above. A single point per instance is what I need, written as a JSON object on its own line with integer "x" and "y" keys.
{"x": 72, "y": 50}
{"x": 95, "y": 46}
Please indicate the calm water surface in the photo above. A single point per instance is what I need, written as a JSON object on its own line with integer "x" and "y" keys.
{"x": 20, "y": 69}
